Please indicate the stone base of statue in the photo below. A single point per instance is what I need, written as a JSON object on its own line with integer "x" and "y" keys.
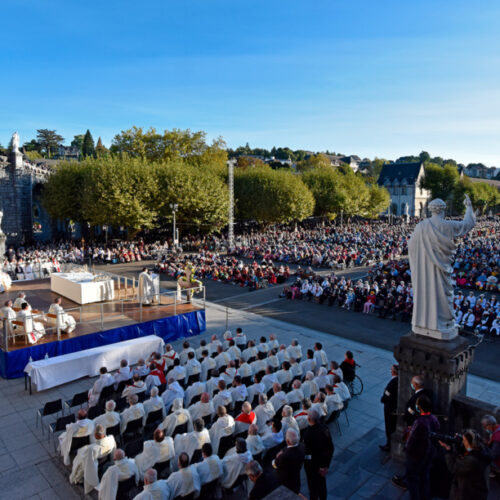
{"x": 16, "y": 159}
{"x": 443, "y": 364}
{"x": 448, "y": 334}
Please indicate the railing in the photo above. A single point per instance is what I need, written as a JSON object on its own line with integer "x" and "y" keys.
{"x": 99, "y": 311}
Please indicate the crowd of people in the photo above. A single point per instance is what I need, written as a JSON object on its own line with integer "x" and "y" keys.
{"x": 212, "y": 416}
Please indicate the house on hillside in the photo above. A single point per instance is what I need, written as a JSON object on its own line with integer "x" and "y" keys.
{"x": 402, "y": 180}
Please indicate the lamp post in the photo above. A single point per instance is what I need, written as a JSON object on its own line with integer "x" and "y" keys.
{"x": 230, "y": 232}
{"x": 174, "y": 207}
{"x": 105, "y": 227}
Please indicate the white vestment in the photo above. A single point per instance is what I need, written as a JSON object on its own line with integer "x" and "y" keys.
{"x": 272, "y": 439}
{"x": 333, "y": 403}
{"x": 102, "y": 382}
{"x": 278, "y": 400}
{"x": 178, "y": 417}
{"x": 107, "y": 419}
{"x": 264, "y": 414}
{"x": 86, "y": 462}
{"x": 131, "y": 413}
{"x": 255, "y": 444}
{"x": 191, "y": 441}
{"x": 233, "y": 467}
{"x": 153, "y": 453}
{"x": 289, "y": 423}
{"x": 154, "y": 404}
{"x": 122, "y": 375}
{"x": 207, "y": 365}
{"x": 121, "y": 470}
{"x": 295, "y": 396}
{"x": 194, "y": 390}
{"x": 146, "y": 288}
{"x": 34, "y": 329}
{"x": 209, "y": 470}
{"x": 222, "y": 427}
{"x": 222, "y": 398}
{"x": 134, "y": 388}
{"x": 254, "y": 389}
{"x": 200, "y": 410}
{"x": 184, "y": 482}
{"x": 174, "y": 391}
{"x": 159, "y": 490}
{"x": 66, "y": 322}
{"x": 81, "y": 428}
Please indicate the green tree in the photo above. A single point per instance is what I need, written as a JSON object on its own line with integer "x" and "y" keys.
{"x": 88, "y": 148}
{"x": 190, "y": 147}
{"x": 314, "y": 161}
{"x": 32, "y": 145}
{"x": 100, "y": 150}
{"x": 484, "y": 196}
{"x": 424, "y": 156}
{"x": 327, "y": 188}
{"x": 271, "y": 196}
{"x": 440, "y": 181}
{"x": 77, "y": 142}
{"x": 201, "y": 196}
{"x": 244, "y": 162}
{"x": 378, "y": 201}
{"x": 49, "y": 140}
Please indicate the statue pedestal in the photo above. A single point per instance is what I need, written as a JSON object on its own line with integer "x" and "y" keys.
{"x": 16, "y": 159}
{"x": 443, "y": 364}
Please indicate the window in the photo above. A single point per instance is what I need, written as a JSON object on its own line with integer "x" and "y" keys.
{"x": 403, "y": 190}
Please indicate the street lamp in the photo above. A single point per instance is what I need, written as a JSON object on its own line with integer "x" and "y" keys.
{"x": 106, "y": 231}
{"x": 174, "y": 207}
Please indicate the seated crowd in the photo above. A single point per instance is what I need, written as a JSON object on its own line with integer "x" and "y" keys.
{"x": 190, "y": 422}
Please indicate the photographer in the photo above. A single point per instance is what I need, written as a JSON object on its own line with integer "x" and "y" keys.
{"x": 469, "y": 467}
{"x": 492, "y": 428}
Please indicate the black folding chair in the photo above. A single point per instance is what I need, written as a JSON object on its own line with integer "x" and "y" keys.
{"x": 334, "y": 418}
{"x": 79, "y": 399}
{"x": 246, "y": 381}
{"x": 162, "y": 468}
{"x": 49, "y": 409}
{"x": 237, "y": 408}
{"x": 125, "y": 487}
{"x": 180, "y": 429}
{"x": 295, "y": 406}
{"x": 133, "y": 429}
{"x": 114, "y": 431}
{"x": 208, "y": 420}
{"x": 185, "y": 497}
{"x": 193, "y": 378}
{"x": 60, "y": 426}
{"x": 152, "y": 421}
{"x": 197, "y": 457}
{"x": 107, "y": 393}
{"x": 225, "y": 444}
{"x": 121, "y": 404}
{"x": 79, "y": 442}
{"x": 162, "y": 388}
{"x": 195, "y": 399}
{"x": 344, "y": 411}
{"x": 209, "y": 490}
{"x": 142, "y": 396}
{"x": 133, "y": 448}
{"x": 95, "y": 411}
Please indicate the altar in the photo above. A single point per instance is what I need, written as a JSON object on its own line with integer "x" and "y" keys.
{"x": 82, "y": 287}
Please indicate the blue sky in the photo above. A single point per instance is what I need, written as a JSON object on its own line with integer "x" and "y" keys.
{"x": 374, "y": 78}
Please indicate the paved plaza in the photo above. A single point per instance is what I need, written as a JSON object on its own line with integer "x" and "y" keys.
{"x": 29, "y": 467}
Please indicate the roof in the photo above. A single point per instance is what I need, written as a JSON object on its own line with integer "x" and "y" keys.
{"x": 492, "y": 182}
{"x": 398, "y": 171}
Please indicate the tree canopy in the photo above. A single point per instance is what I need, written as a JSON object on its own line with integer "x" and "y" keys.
{"x": 49, "y": 140}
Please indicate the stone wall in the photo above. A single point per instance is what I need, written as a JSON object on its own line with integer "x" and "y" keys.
{"x": 467, "y": 413}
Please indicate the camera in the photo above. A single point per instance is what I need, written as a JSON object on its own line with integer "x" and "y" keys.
{"x": 446, "y": 438}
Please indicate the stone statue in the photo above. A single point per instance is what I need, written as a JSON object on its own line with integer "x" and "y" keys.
{"x": 431, "y": 250}
{"x": 15, "y": 142}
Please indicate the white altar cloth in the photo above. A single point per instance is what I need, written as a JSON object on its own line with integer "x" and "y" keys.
{"x": 80, "y": 287}
{"x": 51, "y": 372}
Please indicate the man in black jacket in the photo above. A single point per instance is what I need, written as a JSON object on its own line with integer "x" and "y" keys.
{"x": 319, "y": 452}
{"x": 263, "y": 482}
{"x": 417, "y": 384}
{"x": 390, "y": 401}
{"x": 288, "y": 462}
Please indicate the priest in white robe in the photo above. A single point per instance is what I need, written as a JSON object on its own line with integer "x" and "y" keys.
{"x": 295, "y": 395}
{"x": 192, "y": 441}
{"x": 274, "y": 435}
{"x": 265, "y": 412}
{"x": 288, "y": 421}
{"x": 179, "y": 416}
{"x": 186, "y": 480}
{"x": 109, "y": 418}
{"x": 86, "y": 462}
{"x": 223, "y": 397}
{"x": 135, "y": 411}
{"x": 122, "y": 469}
{"x": 81, "y": 428}
{"x": 255, "y": 444}
{"x": 65, "y": 321}
{"x": 207, "y": 365}
{"x": 202, "y": 408}
{"x": 123, "y": 374}
{"x": 278, "y": 398}
{"x": 103, "y": 381}
{"x": 34, "y": 329}
{"x": 210, "y": 468}
{"x": 154, "y": 489}
{"x": 160, "y": 449}
{"x": 174, "y": 391}
{"x": 9, "y": 314}
{"x": 135, "y": 387}
{"x": 430, "y": 250}
{"x": 146, "y": 288}
{"x": 234, "y": 464}
{"x": 195, "y": 389}
{"x": 154, "y": 403}
{"x": 222, "y": 427}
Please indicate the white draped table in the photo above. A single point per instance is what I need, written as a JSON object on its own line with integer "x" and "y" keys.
{"x": 81, "y": 288}
{"x": 51, "y": 372}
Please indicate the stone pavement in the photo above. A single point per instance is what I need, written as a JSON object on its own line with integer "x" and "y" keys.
{"x": 29, "y": 467}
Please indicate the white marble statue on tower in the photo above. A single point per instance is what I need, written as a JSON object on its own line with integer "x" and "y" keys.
{"x": 15, "y": 142}
{"x": 430, "y": 251}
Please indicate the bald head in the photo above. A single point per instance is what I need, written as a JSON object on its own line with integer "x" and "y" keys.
{"x": 150, "y": 476}
{"x": 418, "y": 382}
{"x": 119, "y": 454}
{"x": 246, "y": 407}
{"x": 205, "y": 397}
